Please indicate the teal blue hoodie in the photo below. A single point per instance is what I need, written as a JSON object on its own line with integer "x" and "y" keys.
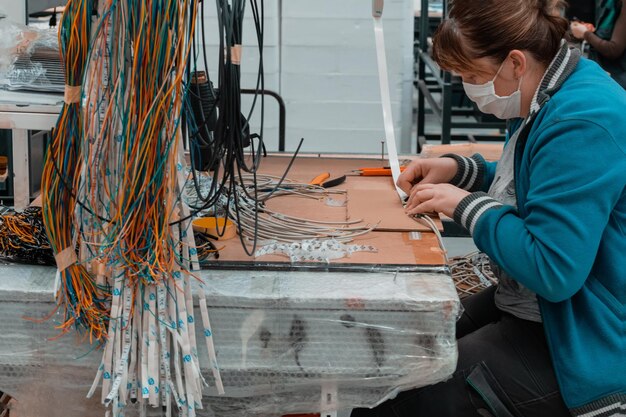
{"x": 566, "y": 241}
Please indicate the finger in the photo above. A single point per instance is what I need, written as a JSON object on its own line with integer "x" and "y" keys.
{"x": 409, "y": 177}
{"x": 424, "y": 186}
{"x": 419, "y": 197}
{"x": 413, "y": 199}
{"x": 405, "y": 182}
{"x": 425, "y": 207}
{"x": 410, "y": 202}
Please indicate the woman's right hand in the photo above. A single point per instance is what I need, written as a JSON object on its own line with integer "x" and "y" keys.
{"x": 427, "y": 171}
{"x": 578, "y": 30}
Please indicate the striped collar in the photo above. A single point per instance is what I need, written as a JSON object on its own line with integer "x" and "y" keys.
{"x": 560, "y": 68}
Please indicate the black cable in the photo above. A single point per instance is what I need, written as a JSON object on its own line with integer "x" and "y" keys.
{"x": 226, "y": 149}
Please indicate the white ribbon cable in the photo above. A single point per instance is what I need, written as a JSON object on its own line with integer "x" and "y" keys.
{"x": 153, "y": 348}
{"x": 105, "y": 365}
{"x": 135, "y": 352}
{"x": 139, "y": 352}
{"x": 144, "y": 352}
{"x": 120, "y": 373}
{"x": 191, "y": 325}
{"x": 383, "y": 79}
{"x": 208, "y": 335}
{"x": 117, "y": 409}
{"x": 193, "y": 258}
{"x": 165, "y": 352}
{"x": 190, "y": 370}
{"x": 177, "y": 341}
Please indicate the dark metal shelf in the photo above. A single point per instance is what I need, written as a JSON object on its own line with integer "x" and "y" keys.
{"x": 432, "y": 80}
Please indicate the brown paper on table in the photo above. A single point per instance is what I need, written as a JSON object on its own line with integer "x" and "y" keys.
{"x": 385, "y": 207}
{"x": 308, "y": 208}
{"x": 399, "y": 249}
{"x": 372, "y": 184}
{"x": 392, "y": 249}
{"x": 489, "y": 151}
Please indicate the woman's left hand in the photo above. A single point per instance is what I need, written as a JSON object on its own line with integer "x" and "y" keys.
{"x": 440, "y": 198}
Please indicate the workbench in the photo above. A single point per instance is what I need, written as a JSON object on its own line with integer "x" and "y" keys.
{"x": 377, "y": 323}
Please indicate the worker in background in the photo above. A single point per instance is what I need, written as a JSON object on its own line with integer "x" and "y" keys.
{"x": 550, "y": 339}
{"x": 583, "y": 10}
{"x": 608, "y": 42}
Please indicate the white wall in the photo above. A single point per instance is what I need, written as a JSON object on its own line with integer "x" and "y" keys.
{"x": 320, "y": 57}
{"x": 329, "y": 74}
{"x": 15, "y": 10}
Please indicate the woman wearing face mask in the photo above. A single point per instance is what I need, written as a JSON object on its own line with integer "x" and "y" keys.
{"x": 550, "y": 340}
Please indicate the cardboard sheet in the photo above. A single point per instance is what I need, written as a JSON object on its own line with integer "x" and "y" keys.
{"x": 490, "y": 151}
{"x": 401, "y": 248}
{"x": 308, "y": 208}
{"x": 305, "y": 168}
{"x": 382, "y": 207}
{"x": 369, "y": 198}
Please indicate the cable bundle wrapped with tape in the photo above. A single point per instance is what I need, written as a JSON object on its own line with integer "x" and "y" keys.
{"x": 114, "y": 172}
{"x": 79, "y": 296}
{"x": 135, "y": 229}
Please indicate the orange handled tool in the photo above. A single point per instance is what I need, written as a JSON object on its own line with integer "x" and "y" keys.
{"x": 370, "y": 172}
{"x": 320, "y": 179}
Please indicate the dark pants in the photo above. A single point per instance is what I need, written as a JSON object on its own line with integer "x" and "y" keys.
{"x": 504, "y": 370}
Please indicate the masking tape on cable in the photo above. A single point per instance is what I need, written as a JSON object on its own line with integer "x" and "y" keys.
{"x": 72, "y": 94}
{"x": 65, "y": 258}
{"x": 235, "y": 54}
{"x": 383, "y": 79}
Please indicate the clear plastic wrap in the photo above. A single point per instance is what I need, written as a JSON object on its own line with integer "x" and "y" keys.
{"x": 282, "y": 339}
{"x": 29, "y": 58}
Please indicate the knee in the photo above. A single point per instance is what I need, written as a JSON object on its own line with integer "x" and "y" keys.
{"x": 451, "y": 398}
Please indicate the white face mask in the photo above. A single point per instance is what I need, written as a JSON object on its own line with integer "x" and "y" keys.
{"x": 485, "y": 97}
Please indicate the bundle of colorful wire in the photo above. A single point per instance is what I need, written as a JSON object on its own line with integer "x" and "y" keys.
{"x": 134, "y": 229}
{"x": 114, "y": 175}
{"x": 23, "y": 238}
{"x": 79, "y": 297}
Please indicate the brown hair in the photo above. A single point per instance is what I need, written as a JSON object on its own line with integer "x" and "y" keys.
{"x": 493, "y": 28}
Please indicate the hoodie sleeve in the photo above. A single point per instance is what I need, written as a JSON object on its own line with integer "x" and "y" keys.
{"x": 551, "y": 248}
{"x": 474, "y": 172}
